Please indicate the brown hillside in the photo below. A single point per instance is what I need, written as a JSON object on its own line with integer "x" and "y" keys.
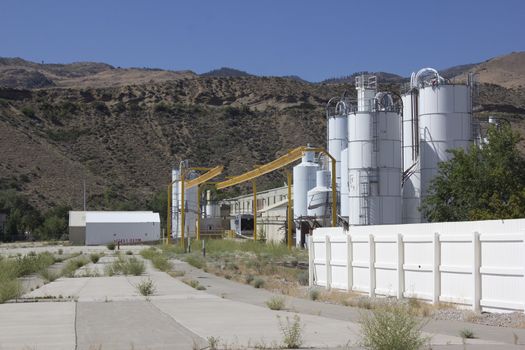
{"x": 507, "y": 70}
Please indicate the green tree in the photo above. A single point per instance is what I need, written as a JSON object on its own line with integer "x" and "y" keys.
{"x": 481, "y": 183}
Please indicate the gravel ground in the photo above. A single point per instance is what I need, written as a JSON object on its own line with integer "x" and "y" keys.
{"x": 512, "y": 319}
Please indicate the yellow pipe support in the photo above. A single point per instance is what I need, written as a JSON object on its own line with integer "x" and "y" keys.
{"x": 212, "y": 172}
{"x": 290, "y": 215}
{"x": 254, "y": 187}
{"x": 168, "y": 216}
{"x": 278, "y": 163}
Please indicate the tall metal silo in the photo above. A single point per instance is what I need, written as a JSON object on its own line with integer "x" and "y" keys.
{"x": 303, "y": 181}
{"x": 374, "y": 157}
{"x": 441, "y": 114}
{"x": 337, "y": 128}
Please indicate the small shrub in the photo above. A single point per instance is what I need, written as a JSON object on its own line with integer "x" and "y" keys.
{"x": 162, "y": 263}
{"x": 275, "y": 303}
{"x": 9, "y": 289}
{"x": 303, "y": 278}
{"x": 213, "y": 343}
{"x": 130, "y": 266}
{"x": 94, "y": 258}
{"x": 467, "y": 333}
{"x": 248, "y": 279}
{"x": 60, "y": 251}
{"x": 73, "y": 265}
{"x": 258, "y": 282}
{"x": 176, "y": 273}
{"x": 194, "y": 284}
{"x": 195, "y": 261}
{"x": 146, "y": 287}
{"x": 391, "y": 327}
{"x": 111, "y": 246}
{"x": 134, "y": 267}
{"x": 48, "y": 275}
{"x": 292, "y": 332}
{"x": 129, "y": 252}
{"x": 314, "y": 294}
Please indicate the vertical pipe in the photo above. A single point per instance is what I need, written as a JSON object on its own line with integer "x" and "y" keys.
{"x": 334, "y": 196}
{"x": 168, "y": 215}
{"x": 183, "y": 209}
{"x": 199, "y": 193}
{"x": 254, "y": 188}
{"x": 290, "y": 215}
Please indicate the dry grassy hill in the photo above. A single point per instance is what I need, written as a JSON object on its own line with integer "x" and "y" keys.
{"x": 507, "y": 70}
{"x": 123, "y": 129}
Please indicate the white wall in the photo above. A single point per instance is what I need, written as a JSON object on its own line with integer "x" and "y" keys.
{"x": 479, "y": 264}
{"x": 126, "y": 233}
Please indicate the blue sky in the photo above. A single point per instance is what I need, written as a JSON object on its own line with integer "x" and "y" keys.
{"x": 312, "y": 39}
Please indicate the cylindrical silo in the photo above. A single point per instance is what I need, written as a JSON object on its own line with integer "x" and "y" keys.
{"x": 374, "y": 159}
{"x": 344, "y": 183}
{"x": 303, "y": 181}
{"x": 337, "y": 137}
{"x": 412, "y": 176}
{"x": 445, "y": 119}
{"x": 320, "y": 197}
{"x": 374, "y": 168}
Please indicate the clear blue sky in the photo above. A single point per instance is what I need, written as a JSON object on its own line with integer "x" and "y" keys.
{"x": 312, "y": 39}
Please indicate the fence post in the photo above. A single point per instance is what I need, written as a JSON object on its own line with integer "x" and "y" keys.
{"x": 349, "y": 259}
{"x": 400, "y": 262}
{"x": 476, "y": 278}
{"x": 435, "y": 268}
{"x": 311, "y": 259}
{"x": 328, "y": 260}
{"x": 371, "y": 265}
{"x": 524, "y": 273}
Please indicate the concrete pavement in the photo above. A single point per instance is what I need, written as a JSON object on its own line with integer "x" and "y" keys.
{"x": 109, "y": 313}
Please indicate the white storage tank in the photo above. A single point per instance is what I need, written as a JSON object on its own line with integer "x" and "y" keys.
{"x": 213, "y": 209}
{"x": 320, "y": 197}
{"x": 303, "y": 181}
{"x": 374, "y": 158}
{"x": 445, "y": 119}
{"x": 344, "y": 212}
{"x": 337, "y": 135}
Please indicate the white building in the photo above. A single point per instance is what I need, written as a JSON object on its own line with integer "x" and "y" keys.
{"x": 103, "y": 227}
{"x": 271, "y": 211}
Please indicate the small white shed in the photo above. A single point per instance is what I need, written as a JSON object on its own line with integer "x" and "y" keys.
{"x": 103, "y": 227}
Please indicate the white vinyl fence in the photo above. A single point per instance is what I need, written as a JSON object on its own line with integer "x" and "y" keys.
{"x": 477, "y": 264}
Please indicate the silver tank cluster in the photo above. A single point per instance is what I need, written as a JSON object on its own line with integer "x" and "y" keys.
{"x": 387, "y": 149}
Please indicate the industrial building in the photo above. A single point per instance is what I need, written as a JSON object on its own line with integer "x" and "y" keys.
{"x": 383, "y": 151}
{"x": 103, "y": 227}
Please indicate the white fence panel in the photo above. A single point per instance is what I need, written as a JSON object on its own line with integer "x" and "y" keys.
{"x": 440, "y": 262}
